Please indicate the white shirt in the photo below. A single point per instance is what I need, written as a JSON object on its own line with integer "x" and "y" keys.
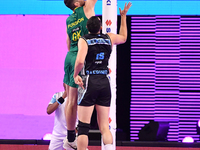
{"x": 60, "y": 127}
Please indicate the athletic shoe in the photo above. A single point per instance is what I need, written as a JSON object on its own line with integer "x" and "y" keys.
{"x": 70, "y": 145}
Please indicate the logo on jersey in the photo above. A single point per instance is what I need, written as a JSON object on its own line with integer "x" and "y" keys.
{"x": 100, "y": 56}
{"x": 98, "y": 41}
{"x": 97, "y": 72}
{"x": 75, "y": 22}
{"x": 76, "y": 34}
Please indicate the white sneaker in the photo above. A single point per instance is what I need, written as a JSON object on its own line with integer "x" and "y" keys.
{"x": 69, "y": 145}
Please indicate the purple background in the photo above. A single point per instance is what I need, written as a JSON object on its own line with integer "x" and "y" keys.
{"x": 165, "y": 70}
{"x": 32, "y": 53}
{"x": 165, "y": 74}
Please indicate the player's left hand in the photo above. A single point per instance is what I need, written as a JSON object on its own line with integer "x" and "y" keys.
{"x": 126, "y": 8}
{"x": 78, "y": 80}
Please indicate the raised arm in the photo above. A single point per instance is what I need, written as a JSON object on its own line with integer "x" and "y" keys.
{"x": 122, "y": 36}
{"x": 89, "y": 8}
{"x": 90, "y": 3}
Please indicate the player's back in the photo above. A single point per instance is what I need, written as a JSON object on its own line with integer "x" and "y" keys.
{"x": 99, "y": 50}
{"x": 76, "y": 27}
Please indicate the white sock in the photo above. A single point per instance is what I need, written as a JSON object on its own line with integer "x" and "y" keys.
{"x": 108, "y": 147}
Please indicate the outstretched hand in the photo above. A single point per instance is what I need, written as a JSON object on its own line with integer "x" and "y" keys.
{"x": 126, "y": 8}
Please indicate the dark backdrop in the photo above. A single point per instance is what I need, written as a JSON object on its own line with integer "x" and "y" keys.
{"x": 123, "y": 86}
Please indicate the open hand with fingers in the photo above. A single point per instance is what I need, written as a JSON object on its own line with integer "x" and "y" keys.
{"x": 126, "y": 8}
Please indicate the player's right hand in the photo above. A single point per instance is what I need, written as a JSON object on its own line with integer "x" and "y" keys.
{"x": 78, "y": 80}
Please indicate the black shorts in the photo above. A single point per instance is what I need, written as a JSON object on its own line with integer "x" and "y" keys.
{"x": 97, "y": 91}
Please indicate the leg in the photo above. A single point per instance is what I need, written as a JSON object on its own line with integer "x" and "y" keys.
{"x": 71, "y": 112}
{"x": 66, "y": 88}
{"x": 71, "y": 116}
{"x": 71, "y": 108}
{"x": 84, "y": 115}
{"x": 102, "y": 118}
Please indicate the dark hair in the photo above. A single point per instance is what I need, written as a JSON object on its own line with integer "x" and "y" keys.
{"x": 94, "y": 24}
{"x": 70, "y": 4}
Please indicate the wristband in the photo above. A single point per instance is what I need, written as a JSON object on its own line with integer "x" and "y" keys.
{"x": 60, "y": 100}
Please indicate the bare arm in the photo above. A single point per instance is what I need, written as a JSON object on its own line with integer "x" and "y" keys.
{"x": 89, "y": 8}
{"x": 90, "y": 3}
{"x": 68, "y": 41}
{"x": 52, "y": 107}
{"x": 122, "y": 36}
{"x": 54, "y": 104}
{"x": 80, "y": 59}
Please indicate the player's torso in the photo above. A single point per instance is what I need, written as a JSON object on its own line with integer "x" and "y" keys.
{"x": 76, "y": 27}
{"x": 99, "y": 50}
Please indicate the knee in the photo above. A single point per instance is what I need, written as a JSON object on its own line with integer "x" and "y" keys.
{"x": 71, "y": 103}
{"x": 83, "y": 128}
{"x": 104, "y": 128}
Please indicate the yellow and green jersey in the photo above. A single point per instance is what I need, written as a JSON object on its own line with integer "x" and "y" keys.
{"x": 76, "y": 27}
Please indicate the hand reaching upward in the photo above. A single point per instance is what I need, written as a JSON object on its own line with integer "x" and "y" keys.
{"x": 126, "y": 8}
